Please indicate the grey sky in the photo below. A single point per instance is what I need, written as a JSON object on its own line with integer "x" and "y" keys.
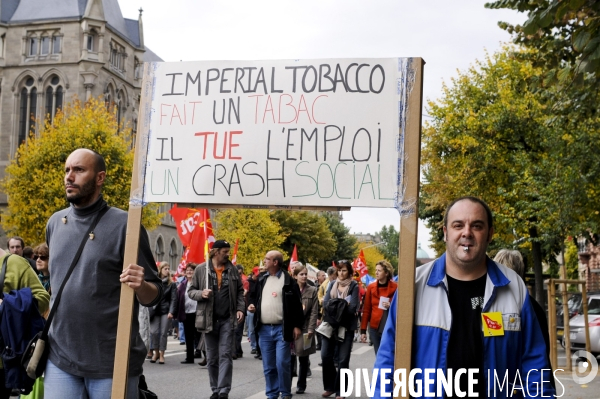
{"x": 448, "y": 35}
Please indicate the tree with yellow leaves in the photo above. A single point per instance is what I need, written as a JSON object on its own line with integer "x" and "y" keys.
{"x": 372, "y": 255}
{"x": 34, "y": 178}
{"x": 257, "y": 231}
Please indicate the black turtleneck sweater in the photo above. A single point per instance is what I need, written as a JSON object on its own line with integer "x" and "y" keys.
{"x": 83, "y": 333}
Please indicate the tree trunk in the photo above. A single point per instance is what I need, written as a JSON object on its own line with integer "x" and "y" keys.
{"x": 536, "y": 250}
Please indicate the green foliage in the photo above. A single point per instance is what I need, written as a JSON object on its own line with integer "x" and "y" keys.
{"x": 565, "y": 34}
{"x": 346, "y": 243}
{"x": 572, "y": 259}
{"x": 310, "y": 232}
{"x": 494, "y": 136}
{"x": 34, "y": 178}
{"x": 390, "y": 248}
{"x": 257, "y": 231}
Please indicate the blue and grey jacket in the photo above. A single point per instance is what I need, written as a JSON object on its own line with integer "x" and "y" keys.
{"x": 520, "y": 352}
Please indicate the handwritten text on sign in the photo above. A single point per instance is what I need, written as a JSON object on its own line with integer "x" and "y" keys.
{"x": 303, "y": 132}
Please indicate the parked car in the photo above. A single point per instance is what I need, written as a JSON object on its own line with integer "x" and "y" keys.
{"x": 577, "y": 327}
{"x": 575, "y": 308}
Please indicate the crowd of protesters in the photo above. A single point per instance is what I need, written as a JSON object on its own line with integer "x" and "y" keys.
{"x": 282, "y": 309}
{"x": 176, "y": 313}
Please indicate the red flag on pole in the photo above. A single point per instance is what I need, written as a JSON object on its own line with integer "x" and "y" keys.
{"x": 294, "y": 258}
{"x": 333, "y": 264}
{"x": 360, "y": 264}
{"x": 202, "y": 239}
{"x": 235, "y": 249}
{"x": 193, "y": 239}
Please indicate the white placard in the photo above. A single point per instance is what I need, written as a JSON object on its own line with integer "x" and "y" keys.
{"x": 285, "y": 132}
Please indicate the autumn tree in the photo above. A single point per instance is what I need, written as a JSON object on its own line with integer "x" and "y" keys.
{"x": 493, "y": 136}
{"x": 391, "y": 244}
{"x": 346, "y": 242}
{"x": 309, "y": 231}
{"x": 372, "y": 255}
{"x": 565, "y": 35}
{"x": 34, "y": 178}
{"x": 257, "y": 231}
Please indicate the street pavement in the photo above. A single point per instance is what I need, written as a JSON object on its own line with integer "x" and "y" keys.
{"x": 174, "y": 380}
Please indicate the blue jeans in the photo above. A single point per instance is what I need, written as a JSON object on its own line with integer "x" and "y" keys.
{"x": 375, "y": 338}
{"x": 276, "y": 356}
{"x": 251, "y": 335}
{"x": 60, "y": 385}
{"x": 181, "y": 332}
{"x": 331, "y": 374}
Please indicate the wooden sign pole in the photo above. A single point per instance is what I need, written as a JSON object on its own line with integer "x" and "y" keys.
{"x": 134, "y": 220}
{"x": 409, "y": 222}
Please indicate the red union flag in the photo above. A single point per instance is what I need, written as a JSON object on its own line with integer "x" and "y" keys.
{"x": 360, "y": 264}
{"x": 235, "y": 249}
{"x": 195, "y": 231}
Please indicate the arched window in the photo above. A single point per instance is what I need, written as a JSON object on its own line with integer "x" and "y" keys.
{"x": 119, "y": 109}
{"x": 173, "y": 255}
{"x": 108, "y": 97}
{"x": 27, "y": 111}
{"x": 54, "y": 97}
{"x": 159, "y": 251}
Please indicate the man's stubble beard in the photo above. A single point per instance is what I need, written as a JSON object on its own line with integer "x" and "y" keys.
{"x": 86, "y": 191}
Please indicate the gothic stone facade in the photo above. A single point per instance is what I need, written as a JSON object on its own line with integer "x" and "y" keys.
{"x": 51, "y": 51}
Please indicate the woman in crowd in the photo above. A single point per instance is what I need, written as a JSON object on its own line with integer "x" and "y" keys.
{"x": 186, "y": 313}
{"x": 310, "y": 304}
{"x": 344, "y": 288}
{"x": 377, "y": 300}
{"x": 163, "y": 313}
{"x": 40, "y": 255}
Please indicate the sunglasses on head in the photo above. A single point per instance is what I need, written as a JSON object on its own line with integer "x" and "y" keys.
{"x": 42, "y": 257}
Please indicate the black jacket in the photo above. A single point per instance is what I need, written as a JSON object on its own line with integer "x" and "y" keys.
{"x": 168, "y": 302}
{"x": 293, "y": 315}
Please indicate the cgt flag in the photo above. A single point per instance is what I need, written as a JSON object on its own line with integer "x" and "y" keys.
{"x": 360, "y": 264}
{"x": 294, "y": 258}
{"x": 195, "y": 231}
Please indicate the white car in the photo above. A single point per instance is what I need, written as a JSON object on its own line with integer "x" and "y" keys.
{"x": 577, "y": 327}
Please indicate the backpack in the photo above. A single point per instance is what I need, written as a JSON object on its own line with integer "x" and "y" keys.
{"x": 20, "y": 321}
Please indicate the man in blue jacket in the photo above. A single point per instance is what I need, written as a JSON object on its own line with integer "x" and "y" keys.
{"x": 471, "y": 313}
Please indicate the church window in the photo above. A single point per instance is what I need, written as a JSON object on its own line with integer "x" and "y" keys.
{"x": 56, "y": 41}
{"x": 54, "y": 98}
{"x": 92, "y": 40}
{"x": 33, "y": 46}
{"x": 45, "y": 45}
{"x": 27, "y": 110}
{"x": 173, "y": 255}
{"x": 117, "y": 56}
{"x": 159, "y": 249}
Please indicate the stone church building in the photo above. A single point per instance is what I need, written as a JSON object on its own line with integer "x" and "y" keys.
{"x": 51, "y": 50}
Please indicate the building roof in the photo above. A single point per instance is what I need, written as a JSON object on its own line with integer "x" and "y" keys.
{"x": 19, "y": 11}
{"x": 150, "y": 56}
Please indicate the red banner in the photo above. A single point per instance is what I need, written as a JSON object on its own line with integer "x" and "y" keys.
{"x": 195, "y": 231}
{"x": 360, "y": 264}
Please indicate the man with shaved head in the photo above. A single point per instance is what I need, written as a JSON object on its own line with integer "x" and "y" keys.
{"x": 278, "y": 321}
{"x": 83, "y": 334}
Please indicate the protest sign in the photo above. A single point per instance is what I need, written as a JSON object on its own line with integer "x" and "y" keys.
{"x": 292, "y": 134}
{"x": 296, "y": 132}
